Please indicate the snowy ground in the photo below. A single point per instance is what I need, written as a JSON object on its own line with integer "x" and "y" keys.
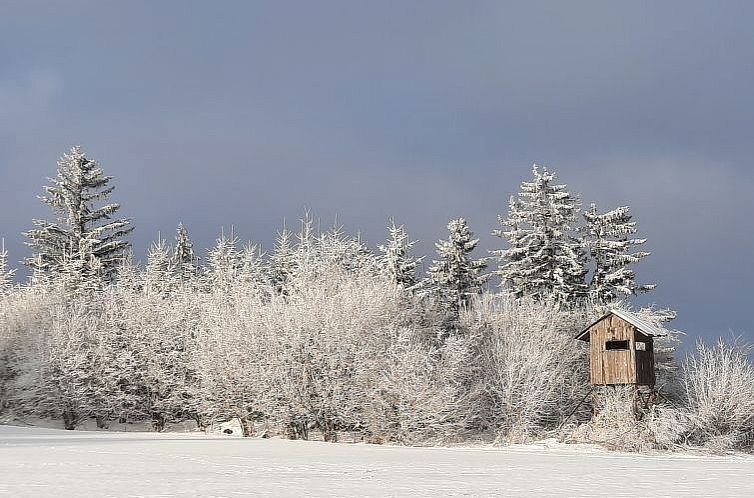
{"x": 49, "y": 462}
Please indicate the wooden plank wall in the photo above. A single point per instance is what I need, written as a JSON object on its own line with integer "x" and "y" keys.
{"x": 616, "y": 366}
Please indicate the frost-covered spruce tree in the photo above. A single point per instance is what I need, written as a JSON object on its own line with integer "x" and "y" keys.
{"x": 543, "y": 256}
{"x": 224, "y": 262}
{"x": 455, "y": 275}
{"x": 74, "y": 196}
{"x": 396, "y": 258}
{"x": 606, "y": 237}
{"x": 335, "y": 248}
{"x": 252, "y": 272}
{"x": 159, "y": 272}
{"x": 306, "y": 252}
{"x": 128, "y": 274}
{"x": 360, "y": 256}
{"x": 81, "y": 271}
{"x": 185, "y": 262}
{"x": 6, "y": 274}
{"x": 282, "y": 261}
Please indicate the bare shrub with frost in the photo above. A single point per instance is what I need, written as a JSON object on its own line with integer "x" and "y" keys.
{"x": 531, "y": 373}
{"x": 348, "y": 352}
{"x": 719, "y": 388}
{"x": 23, "y": 316}
{"x": 159, "y": 342}
{"x": 422, "y": 392}
{"x": 332, "y": 337}
{"x": 621, "y": 422}
{"x": 231, "y": 360}
{"x": 58, "y": 369}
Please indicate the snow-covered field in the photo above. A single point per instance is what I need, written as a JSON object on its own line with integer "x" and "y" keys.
{"x": 49, "y": 462}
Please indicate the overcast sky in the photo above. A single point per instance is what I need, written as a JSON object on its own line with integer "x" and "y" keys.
{"x": 244, "y": 113}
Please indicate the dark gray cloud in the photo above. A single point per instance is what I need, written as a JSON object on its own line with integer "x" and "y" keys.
{"x": 244, "y": 113}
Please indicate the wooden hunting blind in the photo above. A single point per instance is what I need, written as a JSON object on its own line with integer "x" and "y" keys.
{"x": 621, "y": 349}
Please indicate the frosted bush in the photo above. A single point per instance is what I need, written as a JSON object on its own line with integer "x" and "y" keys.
{"x": 530, "y": 372}
{"x": 422, "y": 393}
{"x": 719, "y": 387}
{"x": 623, "y": 422}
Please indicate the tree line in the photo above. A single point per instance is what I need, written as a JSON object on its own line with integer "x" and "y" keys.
{"x": 326, "y": 334}
{"x": 548, "y": 252}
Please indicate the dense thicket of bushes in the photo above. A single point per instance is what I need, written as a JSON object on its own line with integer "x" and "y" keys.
{"x": 350, "y": 352}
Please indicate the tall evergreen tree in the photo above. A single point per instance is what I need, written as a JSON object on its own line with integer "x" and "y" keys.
{"x": 224, "y": 262}
{"x": 6, "y": 274}
{"x": 282, "y": 261}
{"x": 396, "y": 258}
{"x": 252, "y": 271}
{"x": 128, "y": 274}
{"x": 336, "y": 248}
{"x": 455, "y": 275}
{"x": 185, "y": 262}
{"x": 74, "y": 195}
{"x": 543, "y": 255}
{"x": 306, "y": 252}
{"x": 159, "y": 272}
{"x": 606, "y": 237}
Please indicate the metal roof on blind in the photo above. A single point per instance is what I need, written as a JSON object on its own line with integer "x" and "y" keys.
{"x": 641, "y": 324}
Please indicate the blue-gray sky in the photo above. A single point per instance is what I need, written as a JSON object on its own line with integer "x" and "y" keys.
{"x": 243, "y": 113}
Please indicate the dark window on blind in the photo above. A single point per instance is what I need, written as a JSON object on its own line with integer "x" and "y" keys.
{"x": 613, "y": 345}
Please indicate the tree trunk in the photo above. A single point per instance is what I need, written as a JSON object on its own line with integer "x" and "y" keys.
{"x": 248, "y": 427}
{"x": 69, "y": 419}
{"x": 158, "y": 422}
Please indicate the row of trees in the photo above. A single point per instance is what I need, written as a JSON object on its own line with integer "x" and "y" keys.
{"x": 84, "y": 247}
{"x": 548, "y": 254}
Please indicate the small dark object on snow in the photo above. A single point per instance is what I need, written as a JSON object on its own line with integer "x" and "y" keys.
{"x": 228, "y": 431}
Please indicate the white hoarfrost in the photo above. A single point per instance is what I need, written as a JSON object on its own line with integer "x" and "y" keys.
{"x": 606, "y": 237}
{"x": 396, "y": 258}
{"x": 455, "y": 276}
{"x": 543, "y": 256}
{"x": 85, "y": 237}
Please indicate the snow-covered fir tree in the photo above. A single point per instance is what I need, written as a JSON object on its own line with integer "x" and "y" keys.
{"x": 360, "y": 257}
{"x": 185, "y": 261}
{"x": 282, "y": 261}
{"x": 6, "y": 274}
{"x": 607, "y": 238}
{"x": 74, "y": 196}
{"x": 224, "y": 262}
{"x": 128, "y": 273}
{"x": 336, "y": 248}
{"x": 252, "y": 271}
{"x": 455, "y": 275}
{"x": 543, "y": 256}
{"x": 306, "y": 250}
{"x": 396, "y": 257}
{"x": 159, "y": 272}
{"x": 81, "y": 271}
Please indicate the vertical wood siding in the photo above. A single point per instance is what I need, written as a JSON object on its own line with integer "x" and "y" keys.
{"x": 619, "y": 366}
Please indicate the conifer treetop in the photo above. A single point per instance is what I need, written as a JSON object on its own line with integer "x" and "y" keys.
{"x": 82, "y": 219}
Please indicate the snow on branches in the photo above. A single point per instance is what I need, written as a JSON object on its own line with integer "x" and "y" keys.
{"x": 85, "y": 239}
{"x": 543, "y": 257}
{"x": 606, "y": 238}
